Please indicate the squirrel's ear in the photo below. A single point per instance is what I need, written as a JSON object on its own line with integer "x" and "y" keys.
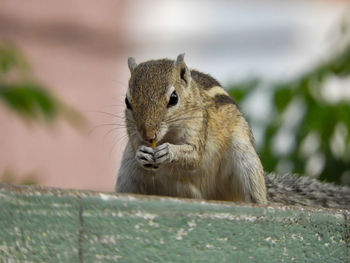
{"x": 180, "y": 65}
{"x": 132, "y": 64}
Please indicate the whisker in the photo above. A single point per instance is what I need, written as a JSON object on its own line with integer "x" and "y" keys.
{"x": 111, "y": 130}
{"x": 110, "y": 114}
{"x": 116, "y": 143}
{"x": 130, "y": 129}
{"x": 186, "y": 116}
{"x": 194, "y": 108}
{"x": 116, "y": 105}
{"x": 178, "y": 115}
{"x": 182, "y": 126}
{"x": 187, "y": 111}
{"x": 183, "y": 119}
{"x": 104, "y": 125}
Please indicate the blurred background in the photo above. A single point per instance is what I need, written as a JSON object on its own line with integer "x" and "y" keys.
{"x": 63, "y": 76}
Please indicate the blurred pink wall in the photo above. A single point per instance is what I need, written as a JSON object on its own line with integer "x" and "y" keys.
{"x": 77, "y": 49}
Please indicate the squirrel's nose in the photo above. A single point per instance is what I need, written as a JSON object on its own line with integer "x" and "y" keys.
{"x": 148, "y": 135}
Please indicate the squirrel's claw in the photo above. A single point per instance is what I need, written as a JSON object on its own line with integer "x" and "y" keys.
{"x": 144, "y": 156}
{"x": 162, "y": 154}
{"x": 151, "y": 158}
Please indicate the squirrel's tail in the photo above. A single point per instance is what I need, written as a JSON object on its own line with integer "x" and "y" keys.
{"x": 302, "y": 190}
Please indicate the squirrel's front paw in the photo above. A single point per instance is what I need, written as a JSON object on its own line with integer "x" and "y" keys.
{"x": 163, "y": 154}
{"x": 145, "y": 157}
{"x": 151, "y": 158}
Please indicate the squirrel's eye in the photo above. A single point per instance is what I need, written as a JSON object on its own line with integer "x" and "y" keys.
{"x": 127, "y": 103}
{"x": 173, "y": 99}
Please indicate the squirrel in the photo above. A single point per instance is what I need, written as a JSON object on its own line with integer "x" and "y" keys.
{"x": 188, "y": 138}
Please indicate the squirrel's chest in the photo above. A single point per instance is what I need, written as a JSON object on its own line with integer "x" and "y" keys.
{"x": 199, "y": 183}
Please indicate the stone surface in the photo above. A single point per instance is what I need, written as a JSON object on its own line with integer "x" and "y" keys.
{"x": 52, "y": 225}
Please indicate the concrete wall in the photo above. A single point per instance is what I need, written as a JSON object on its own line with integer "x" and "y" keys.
{"x": 52, "y": 225}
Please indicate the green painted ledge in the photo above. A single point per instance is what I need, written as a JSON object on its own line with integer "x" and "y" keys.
{"x": 52, "y": 225}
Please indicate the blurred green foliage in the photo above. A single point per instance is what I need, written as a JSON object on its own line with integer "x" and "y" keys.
{"x": 29, "y": 100}
{"x": 320, "y": 133}
{"x": 24, "y": 95}
{"x": 10, "y": 177}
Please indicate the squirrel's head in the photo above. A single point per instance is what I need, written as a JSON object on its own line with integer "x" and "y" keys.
{"x": 158, "y": 91}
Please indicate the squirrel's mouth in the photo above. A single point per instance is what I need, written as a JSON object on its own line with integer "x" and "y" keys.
{"x": 159, "y": 138}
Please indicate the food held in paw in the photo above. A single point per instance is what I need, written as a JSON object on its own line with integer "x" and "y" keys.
{"x": 154, "y": 144}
